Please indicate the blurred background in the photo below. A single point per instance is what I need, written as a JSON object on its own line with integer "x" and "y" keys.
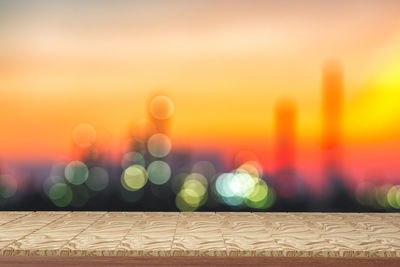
{"x": 200, "y": 105}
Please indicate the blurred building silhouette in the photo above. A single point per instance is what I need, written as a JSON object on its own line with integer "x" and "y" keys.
{"x": 285, "y": 141}
{"x": 332, "y": 113}
{"x": 287, "y": 183}
{"x": 285, "y": 127}
{"x": 336, "y": 189}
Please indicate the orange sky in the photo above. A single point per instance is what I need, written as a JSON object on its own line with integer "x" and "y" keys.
{"x": 224, "y": 63}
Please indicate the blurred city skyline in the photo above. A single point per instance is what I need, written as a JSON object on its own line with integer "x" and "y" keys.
{"x": 241, "y": 76}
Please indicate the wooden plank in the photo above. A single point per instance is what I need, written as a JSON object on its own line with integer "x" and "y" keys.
{"x": 221, "y": 234}
{"x": 25, "y": 225}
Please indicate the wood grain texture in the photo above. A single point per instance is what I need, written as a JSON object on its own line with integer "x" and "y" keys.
{"x": 207, "y": 234}
{"x": 151, "y": 235}
{"x": 89, "y": 261}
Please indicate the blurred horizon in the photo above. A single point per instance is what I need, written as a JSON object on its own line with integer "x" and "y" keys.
{"x": 308, "y": 87}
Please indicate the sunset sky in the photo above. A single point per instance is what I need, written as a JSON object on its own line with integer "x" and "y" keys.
{"x": 224, "y": 63}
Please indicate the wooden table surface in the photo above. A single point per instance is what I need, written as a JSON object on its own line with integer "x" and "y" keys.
{"x": 220, "y": 234}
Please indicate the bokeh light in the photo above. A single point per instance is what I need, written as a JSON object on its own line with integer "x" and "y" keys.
{"x": 243, "y": 187}
{"x": 262, "y": 197}
{"x": 252, "y": 167}
{"x": 235, "y": 187}
{"x": 134, "y": 178}
{"x": 193, "y": 193}
{"x": 242, "y": 184}
{"x": 159, "y": 172}
{"x": 222, "y": 183}
{"x": 50, "y": 181}
{"x": 259, "y": 193}
{"x": 381, "y": 195}
{"x": 161, "y": 107}
{"x": 76, "y": 172}
{"x": 384, "y": 196}
{"x": 84, "y": 135}
{"x": 60, "y": 194}
{"x": 98, "y": 179}
{"x": 159, "y": 145}
{"x": 393, "y": 197}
